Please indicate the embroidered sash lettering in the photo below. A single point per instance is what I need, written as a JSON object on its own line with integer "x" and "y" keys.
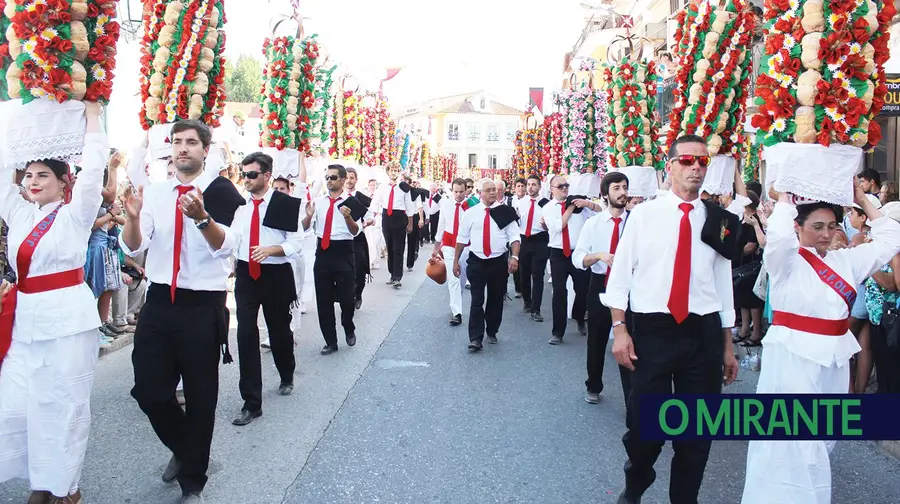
{"x": 830, "y": 277}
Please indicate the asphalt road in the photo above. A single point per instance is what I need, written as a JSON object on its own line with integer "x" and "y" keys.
{"x": 409, "y": 416}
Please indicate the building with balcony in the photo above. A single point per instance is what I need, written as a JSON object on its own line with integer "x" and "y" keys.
{"x": 479, "y": 131}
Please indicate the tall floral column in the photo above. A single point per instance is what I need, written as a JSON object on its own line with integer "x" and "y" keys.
{"x": 820, "y": 87}
{"x": 585, "y": 125}
{"x": 712, "y": 44}
{"x": 633, "y": 134}
{"x": 322, "y": 118}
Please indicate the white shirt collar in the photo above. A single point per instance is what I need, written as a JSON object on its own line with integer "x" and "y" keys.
{"x": 266, "y": 197}
{"x": 675, "y": 200}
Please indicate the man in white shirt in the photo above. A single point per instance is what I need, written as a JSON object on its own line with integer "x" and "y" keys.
{"x": 414, "y": 236}
{"x": 451, "y": 214}
{"x": 397, "y": 210}
{"x": 433, "y": 214}
{"x": 268, "y": 230}
{"x": 334, "y": 217}
{"x": 184, "y": 226}
{"x": 595, "y": 252}
{"x": 564, "y": 217}
{"x": 673, "y": 266}
{"x": 534, "y": 249}
{"x": 360, "y": 241}
{"x": 488, "y": 227}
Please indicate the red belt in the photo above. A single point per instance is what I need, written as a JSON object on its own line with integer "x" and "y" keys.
{"x": 32, "y": 285}
{"x": 822, "y": 327}
{"x": 449, "y": 240}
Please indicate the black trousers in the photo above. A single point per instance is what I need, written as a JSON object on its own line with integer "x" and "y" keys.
{"x": 412, "y": 243}
{"x": 486, "y": 275}
{"x": 361, "y": 251}
{"x": 334, "y": 273}
{"x": 887, "y": 361}
{"x": 687, "y": 356}
{"x": 561, "y": 268}
{"x": 599, "y": 323}
{"x": 274, "y": 291}
{"x": 393, "y": 227}
{"x": 181, "y": 341}
{"x": 433, "y": 226}
{"x": 533, "y": 255}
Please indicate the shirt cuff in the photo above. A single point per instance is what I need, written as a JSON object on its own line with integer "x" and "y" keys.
{"x": 288, "y": 249}
{"x": 728, "y": 318}
{"x": 614, "y": 301}
{"x": 127, "y": 251}
{"x": 229, "y": 245}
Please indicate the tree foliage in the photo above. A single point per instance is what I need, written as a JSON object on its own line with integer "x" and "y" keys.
{"x": 243, "y": 79}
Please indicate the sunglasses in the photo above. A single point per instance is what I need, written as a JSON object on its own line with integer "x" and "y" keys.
{"x": 689, "y": 160}
{"x": 562, "y": 186}
{"x": 250, "y": 175}
{"x": 332, "y": 177}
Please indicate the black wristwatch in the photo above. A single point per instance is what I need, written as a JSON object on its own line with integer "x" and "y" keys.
{"x": 202, "y": 224}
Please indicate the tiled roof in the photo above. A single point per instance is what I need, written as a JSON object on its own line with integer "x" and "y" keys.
{"x": 461, "y": 104}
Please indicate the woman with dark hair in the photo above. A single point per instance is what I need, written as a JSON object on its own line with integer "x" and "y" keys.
{"x": 809, "y": 345}
{"x": 48, "y": 323}
{"x": 747, "y": 256}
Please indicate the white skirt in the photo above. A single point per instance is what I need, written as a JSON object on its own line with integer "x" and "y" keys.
{"x": 45, "y": 410}
{"x": 793, "y": 472}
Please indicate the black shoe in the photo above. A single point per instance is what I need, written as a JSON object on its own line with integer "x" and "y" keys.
{"x": 351, "y": 339}
{"x": 390, "y": 282}
{"x": 328, "y": 350}
{"x": 456, "y": 320}
{"x": 518, "y": 295}
{"x": 582, "y": 328}
{"x": 113, "y": 329}
{"x": 492, "y": 340}
{"x": 171, "y": 471}
{"x": 245, "y": 417}
{"x": 475, "y": 346}
{"x": 397, "y": 284}
{"x": 527, "y": 308}
{"x": 625, "y": 499}
{"x": 286, "y": 389}
{"x": 358, "y": 304}
{"x": 555, "y": 340}
{"x": 537, "y": 317}
{"x": 192, "y": 498}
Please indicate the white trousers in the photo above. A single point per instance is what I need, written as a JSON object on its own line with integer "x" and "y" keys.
{"x": 375, "y": 239}
{"x": 45, "y": 410}
{"x": 455, "y": 285}
{"x": 305, "y": 282}
{"x": 792, "y": 472}
{"x": 298, "y": 264}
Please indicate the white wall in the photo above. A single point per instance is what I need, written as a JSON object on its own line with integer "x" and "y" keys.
{"x": 481, "y": 147}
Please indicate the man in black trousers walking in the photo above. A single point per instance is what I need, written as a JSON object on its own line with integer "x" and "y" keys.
{"x": 360, "y": 243}
{"x": 397, "y": 211}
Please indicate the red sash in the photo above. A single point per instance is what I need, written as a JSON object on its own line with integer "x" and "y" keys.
{"x": 830, "y": 278}
{"x": 42, "y": 283}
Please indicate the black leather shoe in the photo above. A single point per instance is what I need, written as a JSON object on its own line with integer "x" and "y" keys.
{"x": 286, "y": 389}
{"x": 624, "y": 499}
{"x": 492, "y": 340}
{"x": 192, "y": 498}
{"x": 582, "y": 328}
{"x": 475, "y": 346}
{"x": 328, "y": 350}
{"x": 171, "y": 471}
{"x": 537, "y": 317}
{"x": 358, "y": 304}
{"x": 245, "y": 417}
{"x": 456, "y": 320}
{"x": 351, "y": 339}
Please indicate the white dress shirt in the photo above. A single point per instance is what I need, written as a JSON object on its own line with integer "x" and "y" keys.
{"x": 339, "y": 229}
{"x": 201, "y": 267}
{"x": 290, "y": 242}
{"x": 402, "y": 200}
{"x": 432, "y": 207}
{"x": 53, "y": 314}
{"x": 523, "y": 208}
{"x": 645, "y": 263}
{"x": 795, "y": 287}
{"x": 597, "y": 237}
{"x": 471, "y": 231}
{"x": 450, "y": 212}
{"x": 552, "y": 213}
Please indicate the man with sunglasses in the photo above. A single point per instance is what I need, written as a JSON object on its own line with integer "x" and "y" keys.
{"x": 673, "y": 265}
{"x": 268, "y": 226}
{"x": 336, "y": 225}
{"x": 564, "y": 218}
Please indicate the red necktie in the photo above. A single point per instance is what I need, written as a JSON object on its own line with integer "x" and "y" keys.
{"x": 179, "y": 230}
{"x": 430, "y": 198}
{"x": 329, "y": 217}
{"x": 613, "y": 243}
{"x": 456, "y": 223}
{"x": 308, "y": 196}
{"x": 391, "y": 201}
{"x": 530, "y": 220}
{"x": 567, "y": 245}
{"x": 681, "y": 277}
{"x": 486, "y": 234}
{"x": 255, "y": 269}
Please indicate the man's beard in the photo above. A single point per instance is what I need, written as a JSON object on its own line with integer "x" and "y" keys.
{"x": 188, "y": 165}
{"x": 616, "y": 204}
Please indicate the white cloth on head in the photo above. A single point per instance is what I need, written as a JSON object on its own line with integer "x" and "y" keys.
{"x": 719, "y": 176}
{"x": 642, "y": 181}
{"x": 45, "y": 410}
{"x": 285, "y": 163}
{"x": 645, "y": 263}
{"x": 813, "y": 171}
{"x": 42, "y": 129}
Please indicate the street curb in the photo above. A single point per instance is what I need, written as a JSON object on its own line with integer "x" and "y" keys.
{"x": 890, "y": 448}
{"x": 118, "y": 344}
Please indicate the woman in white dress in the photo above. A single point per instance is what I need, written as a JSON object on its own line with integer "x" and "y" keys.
{"x": 807, "y": 350}
{"x": 49, "y": 322}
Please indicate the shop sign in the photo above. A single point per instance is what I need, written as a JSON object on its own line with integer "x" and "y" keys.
{"x": 892, "y": 97}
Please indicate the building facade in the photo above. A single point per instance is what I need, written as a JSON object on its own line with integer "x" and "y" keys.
{"x": 479, "y": 131}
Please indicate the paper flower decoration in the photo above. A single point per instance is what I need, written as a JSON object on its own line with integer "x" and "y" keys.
{"x": 822, "y": 75}
{"x": 712, "y": 45}
{"x": 322, "y": 118}
{"x": 751, "y": 159}
{"x": 633, "y": 134}
{"x": 60, "y": 50}
{"x": 5, "y": 60}
{"x": 368, "y": 142}
{"x": 183, "y": 73}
